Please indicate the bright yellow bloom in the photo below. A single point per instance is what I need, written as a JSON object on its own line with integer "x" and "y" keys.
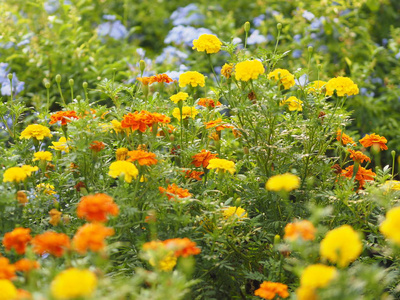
{"x": 239, "y": 212}
{"x": 46, "y": 188}
{"x": 8, "y": 290}
{"x": 207, "y": 42}
{"x": 73, "y": 283}
{"x": 121, "y": 153}
{"x": 227, "y": 70}
{"x": 117, "y": 126}
{"x": 192, "y": 78}
{"x": 29, "y": 169}
{"x": 306, "y": 293}
{"x": 181, "y": 96}
{"x": 341, "y": 245}
{"x": 222, "y": 165}
{"x": 316, "y": 86}
{"x": 61, "y": 145}
{"x": 390, "y": 228}
{"x": 43, "y": 155}
{"x": 167, "y": 263}
{"x": 317, "y": 276}
{"x": 123, "y": 168}
{"x": 18, "y": 174}
{"x": 342, "y": 85}
{"x": 293, "y": 103}
{"x": 284, "y": 182}
{"x": 187, "y": 112}
{"x": 393, "y": 185}
{"x": 249, "y": 69}
{"x": 36, "y": 131}
{"x": 284, "y": 77}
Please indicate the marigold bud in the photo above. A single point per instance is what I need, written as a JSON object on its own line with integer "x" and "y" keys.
{"x": 85, "y": 85}
{"x": 279, "y": 26}
{"x": 142, "y": 65}
{"x": 58, "y": 78}
{"x": 71, "y": 82}
{"x": 247, "y": 26}
{"x": 10, "y": 76}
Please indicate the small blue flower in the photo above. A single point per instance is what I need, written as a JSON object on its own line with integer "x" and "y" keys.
{"x": 309, "y": 16}
{"x": 109, "y": 17}
{"x": 257, "y": 21}
{"x": 185, "y": 35}
{"x": 297, "y": 53}
{"x": 187, "y": 15}
{"x": 115, "y": 29}
{"x": 18, "y": 86}
{"x": 297, "y": 38}
{"x": 171, "y": 54}
{"x": 256, "y": 38}
{"x": 141, "y": 52}
{"x": 302, "y": 81}
{"x": 397, "y": 56}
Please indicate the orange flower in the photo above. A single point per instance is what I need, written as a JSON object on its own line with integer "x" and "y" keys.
{"x": 302, "y": 229}
{"x": 63, "y": 116}
{"x": 17, "y": 239}
{"x": 361, "y": 176}
{"x": 160, "y": 118}
{"x": 142, "y": 120}
{"x": 95, "y": 208}
{"x": 144, "y": 80}
{"x": 268, "y": 290}
{"x": 344, "y": 138}
{"x": 97, "y": 146}
{"x": 26, "y": 265}
{"x": 358, "y": 156}
{"x": 193, "y": 174}
{"x": 160, "y": 78}
{"x": 55, "y": 217}
{"x": 374, "y": 139}
{"x": 51, "y": 242}
{"x": 203, "y": 158}
{"x": 182, "y": 247}
{"x": 91, "y": 237}
{"x": 23, "y": 295}
{"x": 208, "y": 102}
{"x": 7, "y": 270}
{"x": 218, "y": 124}
{"x": 22, "y": 198}
{"x": 173, "y": 191}
{"x": 144, "y": 158}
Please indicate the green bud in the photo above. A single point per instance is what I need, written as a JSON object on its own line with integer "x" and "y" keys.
{"x": 58, "y": 78}
{"x": 247, "y": 26}
{"x": 10, "y": 76}
{"x": 78, "y": 98}
{"x": 142, "y": 65}
{"x": 85, "y": 85}
{"x": 279, "y": 26}
{"x": 310, "y": 49}
{"x": 71, "y": 82}
{"x": 277, "y": 239}
{"x": 47, "y": 85}
{"x": 393, "y": 154}
{"x": 237, "y": 202}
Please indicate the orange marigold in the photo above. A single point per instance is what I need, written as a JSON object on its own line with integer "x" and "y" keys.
{"x": 208, "y": 102}
{"x": 17, "y": 239}
{"x": 193, "y": 174}
{"x": 144, "y": 80}
{"x": 97, "y": 146}
{"x": 26, "y": 265}
{"x": 361, "y": 176}
{"x": 7, "y": 270}
{"x": 160, "y": 78}
{"x": 143, "y": 120}
{"x": 203, "y": 158}
{"x": 91, "y": 237}
{"x": 374, "y": 140}
{"x": 217, "y": 124}
{"x": 182, "y": 247}
{"x": 63, "y": 116}
{"x": 358, "y": 156}
{"x": 55, "y": 216}
{"x": 344, "y": 138}
{"x": 268, "y": 290}
{"x": 302, "y": 229}
{"x": 51, "y": 242}
{"x": 173, "y": 191}
{"x": 95, "y": 208}
{"x": 144, "y": 158}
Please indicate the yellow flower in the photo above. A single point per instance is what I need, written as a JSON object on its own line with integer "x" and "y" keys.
{"x": 61, "y": 145}
{"x": 316, "y": 86}
{"x": 167, "y": 263}
{"x": 222, "y": 165}
{"x": 293, "y": 103}
{"x": 179, "y": 97}
{"x": 227, "y": 70}
{"x": 317, "y": 276}
{"x": 118, "y": 127}
{"x": 393, "y": 185}
{"x": 36, "y": 131}
{"x": 187, "y": 112}
{"x": 29, "y": 169}
{"x": 73, "y": 283}
{"x": 123, "y": 168}
{"x": 390, "y": 228}
{"x": 192, "y": 78}
{"x": 282, "y": 76}
{"x": 306, "y": 293}
{"x": 105, "y": 127}
{"x": 43, "y": 155}
{"x": 8, "y": 290}
{"x": 342, "y": 85}
{"x": 249, "y": 69}
{"x": 121, "y": 153}
{"x": 239, "y": 212}
{"x": 18, "y": 174}
{"x": 341, "y": 245}
{"x": 46, "y": 188}
{"x": 284, "y": 182}
{"x": 207, "y": 42}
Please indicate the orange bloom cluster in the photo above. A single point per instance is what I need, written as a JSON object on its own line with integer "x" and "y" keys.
{"x": 7, "y": 270}
{"x": 144, "y": 158}
{"x": 97, "y": 146}
{"x": 208, "y": 102}
{"x": 303, "y": 229}
{"x": 144, "y": 80}
{"x": 268, "y": 290}
{"x": 358, "y": 156}
{"x": 193, "y": 174}
{"x": 95, "y": 208}
{"x": 17, "y": 239}
{"x": 160, "y": 78}
{"x": 143, "y": 120}
{"x": 217, "y": 124}
{"x": 63, "y": 116}
{"x": 361, "y": 176}
{"x": 374, "y": 139}
{"x": 203, "y": 158}
{"x": 173, "y": 191}
{"x": 182, "y": 247}
{"x": 344, "y": 138}
{"x": 91, "y": 237}
{"x": 26, "y": 265}
{"x": 51, "y": 242}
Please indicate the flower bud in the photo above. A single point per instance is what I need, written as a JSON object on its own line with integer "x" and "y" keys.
{"x": 10, "y": 76}
{"x": 310, "y": 49}
{"x": 238, "y": 202}
{"x": 247, "y": 26}
{"x": 58, "y": 78}
{"x": 393, "y": 153}
{"x": 85, "y": 85}
{"x": 277, "y": 239}
{"x": 142, "y": 65}
{"x": 47, "y": 85}
{"x": 279, "y": 26}
{"x": 71, "y": 82}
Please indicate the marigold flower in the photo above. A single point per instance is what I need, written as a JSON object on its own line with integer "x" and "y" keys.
{"x": 317, "y": 276}
{"x": 97, "y": 207}
{"x": 209, "y": 103}
{"x": 306, "y": 293}
{"x": 63, "y": 116}
{"x": 316, "y": 86}
{"x": 123, "y": 168}
{"x": 144, "y": 158}
{"x": 17, "y": 239}
{"x": 61, "y": 145}
{"x": 361, "y": 176}
{"x": 173, "y": 192}
{"x": 97, "y": 146}
{"x": 73, "y": 283}
{"x": 222, "y": 165}
{"x": 91, "y": 237}
{"x": 249, "y": 69}
{"x": 26, "y": 265}
{"x": 238, "y": 212}
{"x": 344, "y": 138}
{"x": 23, "y": 295}
{"x": 142, "y": 120}
{"x": 303, "y": 229}
{"x": 393, "y": 185}
{"x": 268, "y": 290}
{"x": 187, "y": 112}
{"x": 18, "y": 174}
{"x": 144, "y": 80}
{"x": 117, "y": 126}
{"x": 342, "y": 85}
{"x": 51, "y": 242}
{"x": 284, "y": 182}
{"x": 181, "y": 96}
{"x": 358, "y": 156}
{"x": 21, "y": 197}
{"x": 29, "y": 169}
{"x": 284, "y": 77}
{"x": 46, "y": 188}
{"x": 227, "y": 70}
{"x": 203, "y": 158}
{"x": 160, "y": 78}
{"x": 121, "y": 153}
{"x": 374, "y": 139}
{"x": 208, "y": 43}
{"x": 35, "y": 131}
{"x": 193, "y": 174}
{"x": 43, "y": 156}
{"x": 159, "y": 256}
{"x": 7, "y": 270}
{"x": 8, "y": 290}
{"x": 55, "y": 217}
{"x": 217, "y": 124}
{"x": 341, "y": 245}
{"x": 390, "y": 227}
{"x": 182, "y": 247}
{"x": 293, "y": 103}
{"x": 192, "y": 78}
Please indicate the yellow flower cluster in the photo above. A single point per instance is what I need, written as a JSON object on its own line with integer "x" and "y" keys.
{"x": 227, "y": 70}
{"x": 181, "y": 96}
{"x": 123, "y": 168}
{"x": 316, "y": 86}
{"x": 314, "y": 277}
{"x": 36, "y": 131}
{"x": 390, "y": 228}
{"x": 187, "y": 112}
{"x": 238, "y": 212}
{"x": 283, "y": 77}
{"x": 249, "y": 69}
{"x": 284, "y": 182}
{"x": 61, "y": 145}
{"x": 8, "y": 290}
{"x": 192, "y": 78}
{"x": 73, "y": 283}
{"x": 208, "y": 43}
{"x": 121, "y": 153}
{"x": 46, "y": 188}
{"x": 18, "y": 174}
{"x": 222, "y": 165}
{"x": 43, "y": 156}
{"x": 293, "y": 103}
{"x": 342, "y": 85}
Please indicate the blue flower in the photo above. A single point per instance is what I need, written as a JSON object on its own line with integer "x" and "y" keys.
{"x": 317, "y": 23}
{"x": 302, "y": 81}
{"x": 397, "y": 56}
{"x": 187, "y": 15}
{"x": 115, "y": 29}
{"x": 51, "y": 6}
{"x": 171, "y": 54}
{"x": 109, "y": 17}
{"x": 309, "y": 16}
{"x": 185, "y": 35}
{"x": 18, "y": 86}
{"x": 174, "y": 75}
{"x": 257, "y": 21}
{"x": 141, "y": 52}
{"x": 256, "y": 38}
{"x": 297, "y": 53}
{"x": 297, "y": 38}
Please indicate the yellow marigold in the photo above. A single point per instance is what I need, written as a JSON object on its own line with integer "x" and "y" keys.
{"x": 222, "y": 165}
{"x": 61, "y": 145}
{"x": 303, "y": 229}
{"x": 187, "y": 112}
{"x": 73, "y": 283}
{"x": 227, "y": 70}
{"x": 239, "y": 212}
{"x": 390, "y": 227}
{"x": 317, "y": 276}
{"x": 181, "y": 96}
{"x": 249, "y": 69}
{"x": 316, "y": 87}
{"x": 306, "y": 293}
{"x": 18, "y": 174}
{"x": 36, "y": 131}
{"x": 43, "y": 155}
{"x": 208, "y": 43}
{"x": 342, "y": 85}
{"x": 293, "y": 104}
{"x": 268, "y": 290}
{"x": 284, "y": 182}
{"x": 117, "y": 126}
{"x": 393, "y": 185}
{"x": 121, "y": 153}
{"x": 284, "y": 77}
{"x": 46, "y": 188}
{"x": 8, "y": 290}
{"x": 192, "y": 78}
{"x": 29, "y": 169}
{"x": 341, "y": 245}
{"x": 123, "y": 168}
